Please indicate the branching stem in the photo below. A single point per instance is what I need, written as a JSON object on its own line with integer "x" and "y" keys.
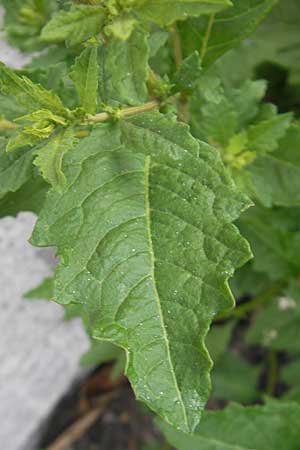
{"x": 206, "y": 37}
{"x": 178, "y": 57}
{"x": 103, "y": 116}
{"x": 272, "y": 373}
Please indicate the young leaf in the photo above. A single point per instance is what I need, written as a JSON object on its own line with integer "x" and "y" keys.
{"x": 85, "y": 73}
{"x": 124, "y": 71}
{"x": 31, "y": 96}
{"x": 272, "y": 426}
{"x": 144, "y": 231}
{"x": 187, "y": 76}
{"x": 49, "y": 157}
{"x": 214, "y": 35}
{"x": 76, "y": 25}
{"x": 166, "y": 12}
{"x": 264, "y": 136}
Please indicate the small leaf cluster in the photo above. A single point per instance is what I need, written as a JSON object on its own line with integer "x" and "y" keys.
{"x": 159, "y": 162}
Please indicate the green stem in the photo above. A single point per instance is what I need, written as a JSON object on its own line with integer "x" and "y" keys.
{"x": 242, "y": 310}
{"x": 103, "y": 116}
{"x": 206, "y": 37}
{"x": 176, "y": 47}
{"x": 6, "y": 125}
{"x": 272, "y": 372}
{"x": 183, "y": 111}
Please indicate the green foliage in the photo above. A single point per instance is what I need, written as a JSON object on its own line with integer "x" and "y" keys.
{"x": 145, "y": 212}
{"x": 138, "y": 218}
{"x": 216, "y": 34}
{"x": 277, "y": 325}
{"x": 127, "y": 85}
{"x": 49, "y": 157}
{"x": 24, "y": 21}
{"x": 74, "y": 26}
{"x": 273, "y": 426}
{"x": 166, "y": 12}
{"x": 85, "y": 76}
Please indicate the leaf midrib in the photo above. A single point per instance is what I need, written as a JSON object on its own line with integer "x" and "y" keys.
{"x": 152, "y": 265}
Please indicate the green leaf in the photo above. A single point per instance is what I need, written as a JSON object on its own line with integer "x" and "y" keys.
{"x": 85, "y": 73}
{"x": 20, "y": 140}
{"x": 218, "y": 339}
{"x": 186, "y": 77}
{"x": 124, "y": 71}
{"x": 277, "y": 326}
{"x": 23, "y": 21}
{"x": 290, "y": 373}
{"x": 121, "y": 27}
{"x": 274, "y": 236}
{"x": 44, "y": 123}
{"x": 103, "y": 352}
{"x": 166, "y": 12}
{"x": 214, "y": 35}
{"x": 15, "y": 170}
{"x": 145, "y": 236}
{"x": 277, "y": 40}
{"x": 247, "y": 282}
{"x": 30, "y": 197}
{"x": 234, "y": 379}
{"x": 218, "y": 117}
{"x": 76, "y": 25}
{"x": 272, "y": 426}
{"x": 49, "y": 157}
{"x": 251, "y": 138}
{"x": 42, "y": 292}
{"x": 29, "y": 95}
{"x": 264, "y": 136}
{"x": 275, "y": 177}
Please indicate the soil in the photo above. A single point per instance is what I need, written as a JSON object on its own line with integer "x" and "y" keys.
{"x": 123, "y": 425}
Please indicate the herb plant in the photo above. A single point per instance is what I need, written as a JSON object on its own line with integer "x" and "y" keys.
{"x": 146, "y": 142}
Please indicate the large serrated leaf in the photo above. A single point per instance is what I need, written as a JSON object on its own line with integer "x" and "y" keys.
{"x": 274, "y": 426}
{"x": 165, "y": 12}
{"x": 76, "y": 25}
{"x": 27, "y": 94}
{"x": 124, "y": 70}
{"x": 145, "y": 235}
{"x": 213, "y": 36}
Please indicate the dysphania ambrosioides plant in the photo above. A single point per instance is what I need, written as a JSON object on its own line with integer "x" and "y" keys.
{"x": 140, "y": 137}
